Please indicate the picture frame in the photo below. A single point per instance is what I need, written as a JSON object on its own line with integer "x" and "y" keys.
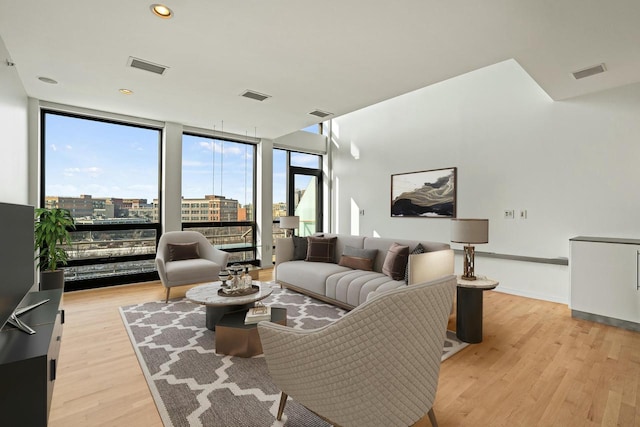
{"x": 424, "y": 194}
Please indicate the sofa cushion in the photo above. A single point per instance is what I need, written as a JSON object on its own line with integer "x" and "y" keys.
{"x": 358, "y": 259}
{"x": 352, "y": 287}
{"x": 299, "y": 248}
{"x": 191, "y": 271}
{"x": 182, "y": 251}
{"x": 311, "y": 276}
{"x": 321, "y": 249}
{"x": 395, "y": 262}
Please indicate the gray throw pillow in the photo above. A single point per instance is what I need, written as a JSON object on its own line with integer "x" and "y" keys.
{"x": 299, "y": 248}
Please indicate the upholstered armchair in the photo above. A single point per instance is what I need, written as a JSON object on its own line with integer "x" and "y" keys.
{"x": 185, "y": 257}
{"x": 376, "y": 366}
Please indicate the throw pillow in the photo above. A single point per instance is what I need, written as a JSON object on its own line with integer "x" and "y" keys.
{"x": 417, "y": 250}
{"x": 395, "y": 263}
{"x": 299, "y": 248}
{"x": 358, "y": 259}
{"x": 321, "y": 249}
{"x": 182, "y": 251}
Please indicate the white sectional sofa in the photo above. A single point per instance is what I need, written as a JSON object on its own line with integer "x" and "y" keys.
{"x": 347, "y": 287}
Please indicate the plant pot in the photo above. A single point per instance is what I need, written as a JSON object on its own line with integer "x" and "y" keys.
{"x": 51, "y": 280}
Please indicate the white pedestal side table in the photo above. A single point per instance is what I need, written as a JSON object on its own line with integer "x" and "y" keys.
{"x": 469, "y": 308}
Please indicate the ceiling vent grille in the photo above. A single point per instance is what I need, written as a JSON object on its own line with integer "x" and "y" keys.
{"x": 320, "y": 113}
{"x": 141, "y": 64}
{"x": 251, "y": 94}
{"x": 600, "y": 68}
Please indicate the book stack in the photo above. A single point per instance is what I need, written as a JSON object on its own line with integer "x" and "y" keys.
{"x": 257, "y": 314}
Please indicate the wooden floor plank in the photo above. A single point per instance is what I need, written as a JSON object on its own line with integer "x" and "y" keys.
{"x": 535, "y": 367}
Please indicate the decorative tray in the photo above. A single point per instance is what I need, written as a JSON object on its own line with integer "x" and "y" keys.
{"x": 226, "y": 292}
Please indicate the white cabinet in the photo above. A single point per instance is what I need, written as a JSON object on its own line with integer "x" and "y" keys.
{"x": 605, "y": 280}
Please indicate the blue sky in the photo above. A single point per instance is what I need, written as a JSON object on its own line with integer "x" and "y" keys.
{"x": 106, "y": 160}
{"x": 100, "y": 159}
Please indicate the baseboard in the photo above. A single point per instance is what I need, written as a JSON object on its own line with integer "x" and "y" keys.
{"x": 611, "y": 321}
{"x": 533, "y": 295}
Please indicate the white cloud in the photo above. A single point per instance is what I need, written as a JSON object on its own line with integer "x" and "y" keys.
{"x": 219, "y": 147}
{"x": 53, "y": 147}
{"x": 90, "y": 171}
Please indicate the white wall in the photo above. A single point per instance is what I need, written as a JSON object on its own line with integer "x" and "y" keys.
{"x": 573, "y": 165}
{"x": 13, "y": 134}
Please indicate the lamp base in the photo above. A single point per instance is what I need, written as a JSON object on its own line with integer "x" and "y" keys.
{"x": 469, "y": 255}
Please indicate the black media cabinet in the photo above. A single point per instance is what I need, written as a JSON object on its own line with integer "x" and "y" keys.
{"x": 28, "y": 362}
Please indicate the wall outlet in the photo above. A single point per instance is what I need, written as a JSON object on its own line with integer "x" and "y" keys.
{"x": 509, "y": 214}
{"x": 523, "y": 214}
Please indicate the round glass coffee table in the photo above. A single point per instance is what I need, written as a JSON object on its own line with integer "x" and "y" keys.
{"x": 218, "y": 305}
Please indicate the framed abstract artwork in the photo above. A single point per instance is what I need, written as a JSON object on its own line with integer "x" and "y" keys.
{"x": 426, "y": 194}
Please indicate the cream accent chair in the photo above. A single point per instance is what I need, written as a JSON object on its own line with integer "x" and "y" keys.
{"x": 184, "y": 272}
{"x": 376, "y": 366}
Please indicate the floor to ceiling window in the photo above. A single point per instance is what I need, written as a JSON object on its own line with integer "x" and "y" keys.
{"x": 297, "y": 190}
{"x": 218, "y": 193}
{"x": 107, "y": 175}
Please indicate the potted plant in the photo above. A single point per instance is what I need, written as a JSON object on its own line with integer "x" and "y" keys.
{"x": 51, "y": 230}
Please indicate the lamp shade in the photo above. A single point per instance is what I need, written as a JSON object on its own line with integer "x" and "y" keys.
{"x": 470, "y": 230}
{"x": 289, "y": 222}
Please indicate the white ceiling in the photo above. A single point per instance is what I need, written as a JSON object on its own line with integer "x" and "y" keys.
{"x": 333, "y": 55}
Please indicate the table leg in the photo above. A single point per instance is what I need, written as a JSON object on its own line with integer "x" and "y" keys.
{"x": 469, "y": 315}
{"x": 215, "y": 313}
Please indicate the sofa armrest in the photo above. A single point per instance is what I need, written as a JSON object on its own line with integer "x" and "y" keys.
{"x": 430, "y": 266}
{"x": 284, "y": 252}
{"x": 216, "y": 255}
{"x": 161, "y": 268}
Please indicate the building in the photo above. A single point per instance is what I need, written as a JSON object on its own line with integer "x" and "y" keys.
{"x": 82, "y": 206}
{"x": 209, "y": 208}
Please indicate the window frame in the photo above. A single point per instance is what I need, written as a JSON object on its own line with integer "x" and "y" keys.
{"x": 220, "y": 224}
{"x": 119, "y": 279}
{"x": 290, "y": 172}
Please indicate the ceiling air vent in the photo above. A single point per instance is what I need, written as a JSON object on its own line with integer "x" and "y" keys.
{"x": 141, "y": 64}
{"x": 589, "y": 71}
{"x": 320, "y": 113}
{"x": 252, "y": 94}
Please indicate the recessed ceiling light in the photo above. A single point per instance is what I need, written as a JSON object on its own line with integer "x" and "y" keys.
{"x": 161, "y": 11}
{"x": 48, "y": 80}
{"x": 126, "y": 91}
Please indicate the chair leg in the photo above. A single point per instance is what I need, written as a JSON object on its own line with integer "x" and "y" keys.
{"x": 283, "y": 401}
{"x": 167, "y": 298}
{"x": 432, "y": 418}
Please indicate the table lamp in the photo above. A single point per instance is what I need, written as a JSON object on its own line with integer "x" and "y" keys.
{"x": 289, "y": 223}
{"x": 469, "y": 231}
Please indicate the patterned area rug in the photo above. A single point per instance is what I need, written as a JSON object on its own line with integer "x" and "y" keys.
{"x": 193, "y": 386}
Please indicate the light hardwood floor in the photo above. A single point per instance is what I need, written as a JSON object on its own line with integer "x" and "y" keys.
{"x": 536, "y": 367}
